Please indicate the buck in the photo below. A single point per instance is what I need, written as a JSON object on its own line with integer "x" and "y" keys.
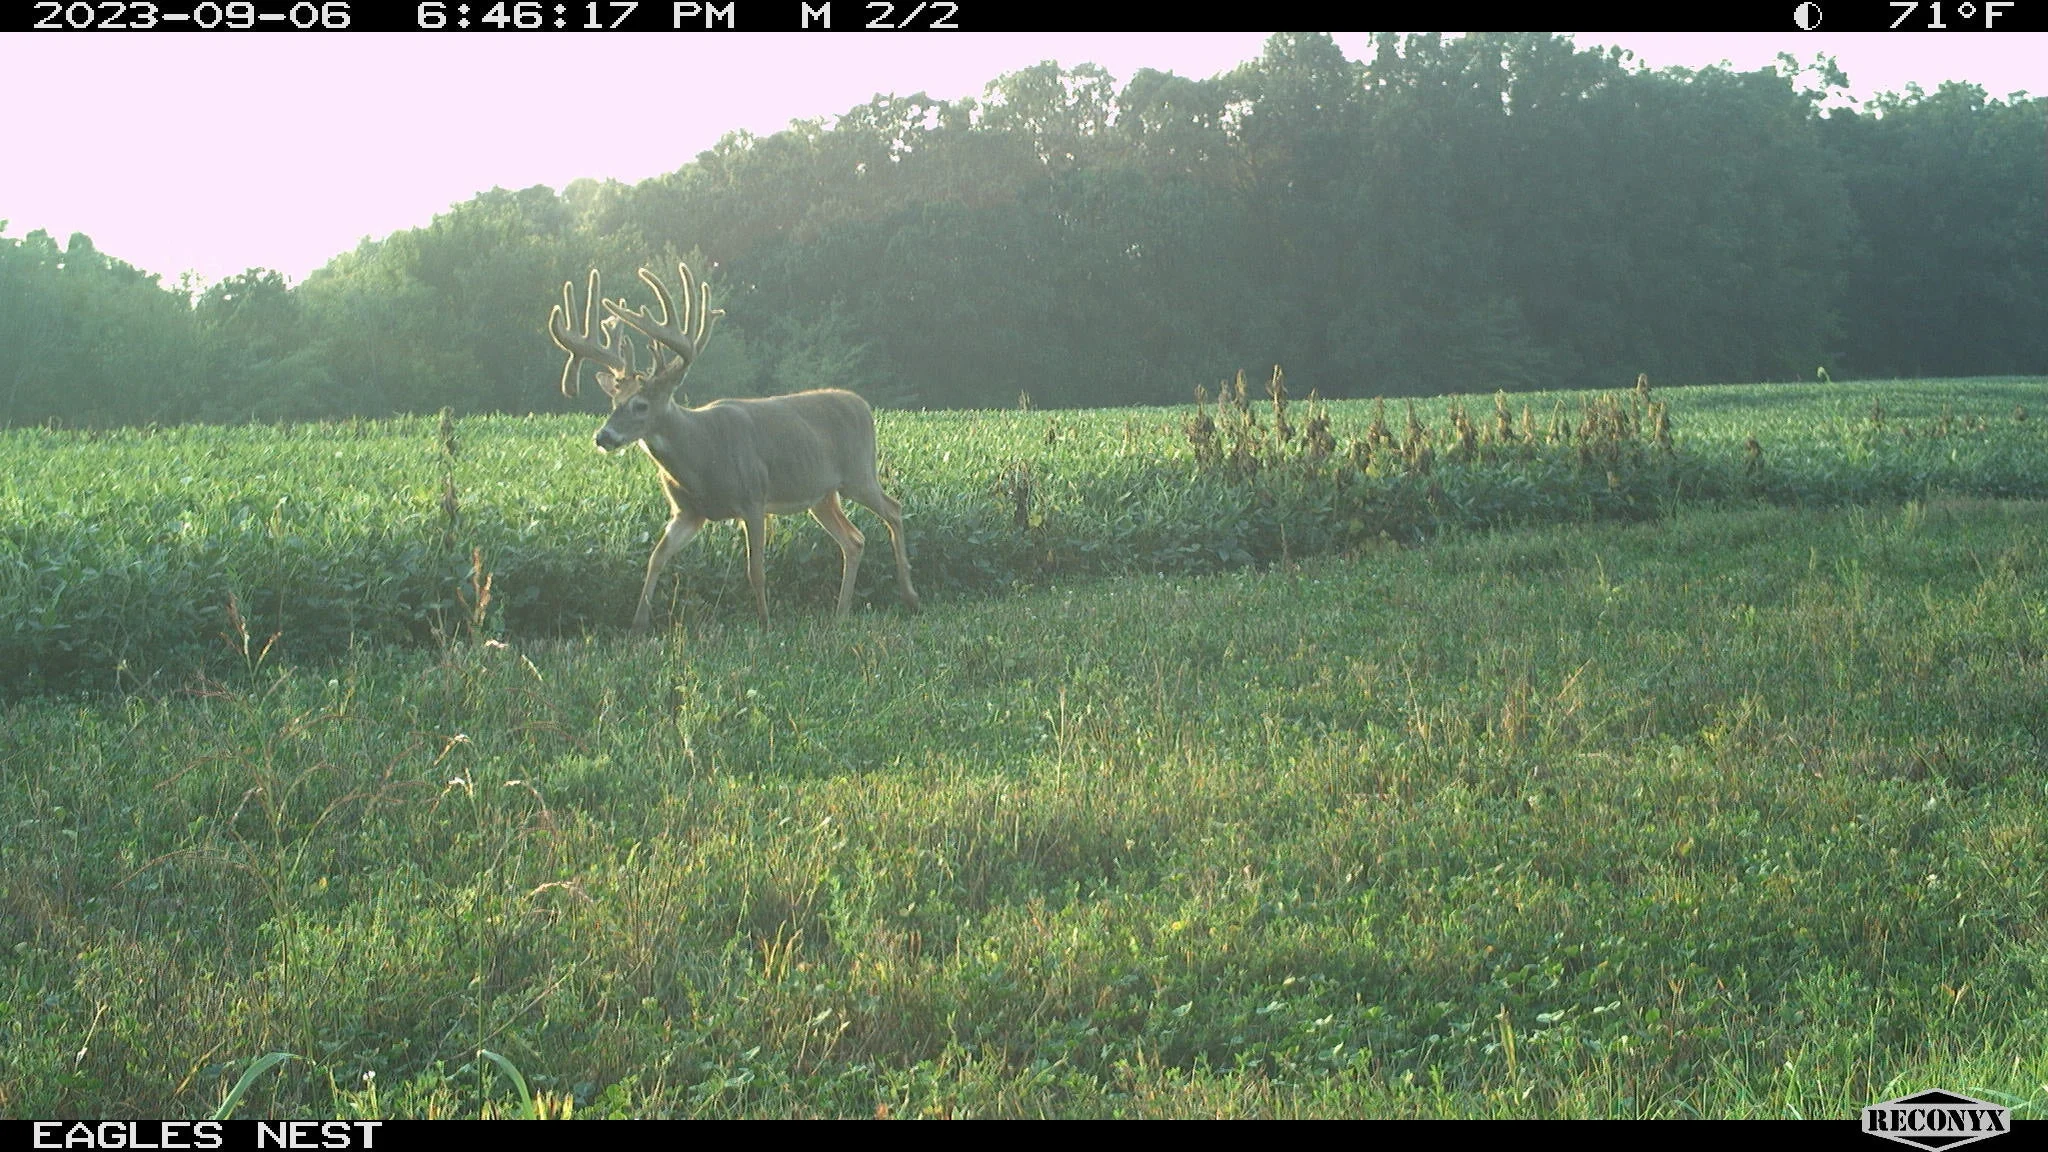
{"x": 730, "y": 459}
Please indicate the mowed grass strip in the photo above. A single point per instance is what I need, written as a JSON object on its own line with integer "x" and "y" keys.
{"x": 1737, "y": 813}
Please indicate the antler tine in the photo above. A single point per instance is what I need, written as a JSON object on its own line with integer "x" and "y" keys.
{"x": 668, "y": 309}
{"x": 706, "y": 314}
{"x": 558, "y": 331}
{"x": 622, "y": 343}
{"x": 672, "y": 330}
{"x": 582, "y": 347}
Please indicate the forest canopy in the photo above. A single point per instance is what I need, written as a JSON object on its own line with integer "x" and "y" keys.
{"x": 1452, "y": 215}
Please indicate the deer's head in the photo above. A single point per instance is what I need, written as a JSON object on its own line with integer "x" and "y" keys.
{"x": 637, "y": 397}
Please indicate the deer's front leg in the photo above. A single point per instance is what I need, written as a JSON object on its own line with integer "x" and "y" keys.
{"x": 757, "y": 573}
{"x": 680, "y": 528}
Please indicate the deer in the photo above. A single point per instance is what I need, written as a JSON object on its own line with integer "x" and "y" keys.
{"x": 733, "y": 459}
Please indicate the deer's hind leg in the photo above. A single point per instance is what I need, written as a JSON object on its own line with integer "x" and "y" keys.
{"x": 870, "y": 494}
{"x": 831, "y": 516}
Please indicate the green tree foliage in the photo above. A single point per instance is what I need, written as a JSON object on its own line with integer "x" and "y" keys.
{"x": 451, "y": 315}
{"x": 1950, "y": 193}
{"x": 1495, "y": 211}
{"x": 262, "y": 363}
{"x": 86, "y": 339}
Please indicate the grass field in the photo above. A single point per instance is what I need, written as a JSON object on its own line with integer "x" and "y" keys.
{"x": 1724, "y": 811}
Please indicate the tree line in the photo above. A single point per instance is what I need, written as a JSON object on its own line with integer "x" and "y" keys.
{"x": 1475, "y": 214}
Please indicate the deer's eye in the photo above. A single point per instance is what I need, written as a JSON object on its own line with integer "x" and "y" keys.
{"x": 639, "y": 404}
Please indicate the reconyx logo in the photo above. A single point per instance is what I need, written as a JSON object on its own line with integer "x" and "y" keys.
{"x": 1936, "y": 1119}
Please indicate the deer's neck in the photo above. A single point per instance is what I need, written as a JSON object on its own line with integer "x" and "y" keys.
{"x": 668, "y": 431}
{"x": 691, "y": 460}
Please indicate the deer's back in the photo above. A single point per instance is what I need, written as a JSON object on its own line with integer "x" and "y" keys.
{"x": 807, "y": 443}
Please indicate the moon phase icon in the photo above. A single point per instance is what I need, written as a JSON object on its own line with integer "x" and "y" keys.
{"x": 1807, "y": 16}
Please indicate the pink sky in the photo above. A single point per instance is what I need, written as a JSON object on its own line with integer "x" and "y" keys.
{"x": 221, "y": 152}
